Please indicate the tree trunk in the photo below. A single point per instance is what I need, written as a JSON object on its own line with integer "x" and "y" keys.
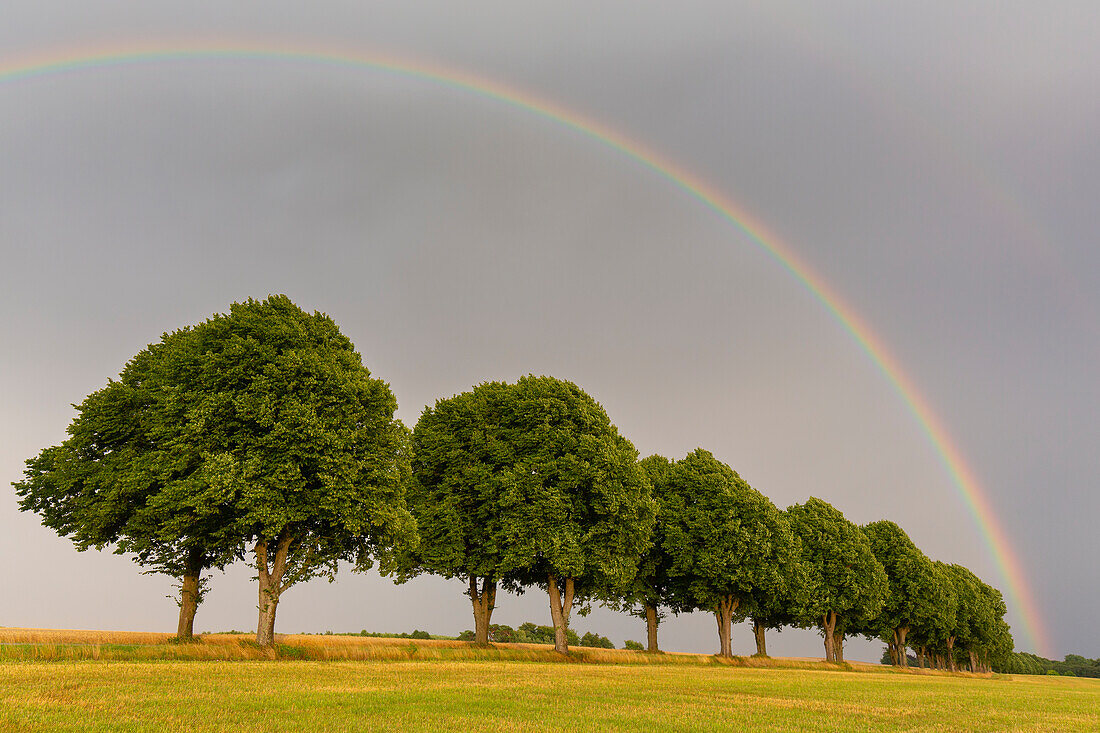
{"x": 270, "y": 572}
{"x": 560, "y": 607}
{"x": 761, "y": 645}
{"x": 951, "y": 653}
{"x": 723, "y": 613}
{"x": 483, "y": 602}
{"x": 189, "y": 595}
{"x": 893, "y": 649}
{"x": 903, "y": 658}
{"x": 828, "y": 625}
{"x": 651, "y": 621}
{"x": 920, "y": 657}
{"x": 838, "y": 647}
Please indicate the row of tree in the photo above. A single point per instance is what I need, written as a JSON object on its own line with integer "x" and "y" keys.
{"x": 260, "y": 433}
{"x": 531, "y": 633}
{"x": 528, "y": 484}
{"x": 1073, "y": 665}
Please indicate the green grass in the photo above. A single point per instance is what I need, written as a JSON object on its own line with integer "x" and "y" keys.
{"x": 443, "y": 695}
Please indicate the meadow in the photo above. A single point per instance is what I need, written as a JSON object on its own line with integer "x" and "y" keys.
{"x": 99, "y": 681}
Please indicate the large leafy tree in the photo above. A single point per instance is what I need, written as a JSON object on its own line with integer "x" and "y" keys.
{"x": 118, "y": 479}
{"x": 996, "y": 639}
{"x": 913, "y": 593}
{"x": 727, "y": 542}
{"x": 933, "y": 634}
{"x": 257, "y": 429}
{"x": 297, "y": 437}
{"x": 653, "y": 593}
{"x": 773, "y": 607}
{"x": 980, "y": 607}
{"x": 461, "y": 468}
{"x": 575, "y": 509}
{"x": 850, "y": 585}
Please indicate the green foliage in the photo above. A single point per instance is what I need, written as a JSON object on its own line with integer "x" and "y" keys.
{"x": 913, "y": 593}
{"x": 517, "y": 482}
{"x": 116, "y": 480}
{"x": 634, "y": 646}
{"x": 252, "y": 425}
{"x": 532, "y": 633}
{"x": 847, "y": 578}
{"x": 595, "y": 640}
{"x": 723, "y": 538}
{"x": 461, "y": 469}
{"x": 788, "y": 602}
{"x": 574, "y": 503}
{"x": 933, "y": 631}
{"x": 652, "y": 585}
{"x": 502, "y": 634}
{"x": 295, "y": 437}
{"x": 415, "y": 634}
{"x": 1022, "y": 663}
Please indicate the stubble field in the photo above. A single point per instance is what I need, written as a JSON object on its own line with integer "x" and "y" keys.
{"x": 374, "y": 684}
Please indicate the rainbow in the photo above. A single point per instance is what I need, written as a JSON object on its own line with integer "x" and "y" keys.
{"x": 973, "y": 495}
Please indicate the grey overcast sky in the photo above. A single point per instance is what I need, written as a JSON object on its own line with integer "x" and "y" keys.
{"x": 936, "y": 163}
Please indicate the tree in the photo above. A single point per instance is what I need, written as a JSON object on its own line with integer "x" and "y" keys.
{"x": 260, "y": 428}
{"x": 502, "y": 634}
{"x": 591, "y": 639}
{"x": 532, "y": 633}
{"x": 783, "y": 605}
{"x": 575, "y": 509}
{"x": 461, "y": 466}
{"x": 726, "y": 541}
{"x": 930, "y": 634}
{"x": 979, "y": 628}
{"x": 652, "y": 589}
{"x": 121, "y": 476}
{"x": 912, "y": 595}
{"x": 849, "y": 583}
{"x": 302, "y": 443}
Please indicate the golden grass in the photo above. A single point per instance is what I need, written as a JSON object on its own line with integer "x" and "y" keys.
{"x": 504, "y": 695}
{"x": 74, "y": 636}
{"x": 72, "y": 645}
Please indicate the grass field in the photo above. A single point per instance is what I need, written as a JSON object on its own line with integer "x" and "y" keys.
{"x": 510, "y": 688}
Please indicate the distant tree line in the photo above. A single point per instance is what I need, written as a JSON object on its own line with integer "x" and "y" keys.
{"x": 531, "y": 633}
{"x": 260, "y": 434}
{"x": 1074, "y": 665}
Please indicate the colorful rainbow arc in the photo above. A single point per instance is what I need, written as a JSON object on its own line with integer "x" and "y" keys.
{"x": 974, "y": 497}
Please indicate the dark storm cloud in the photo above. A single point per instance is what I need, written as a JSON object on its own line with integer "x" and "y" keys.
{"x": 938, "y": 166}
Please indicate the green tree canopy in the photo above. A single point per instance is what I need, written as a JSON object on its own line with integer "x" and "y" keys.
{"x": 259, "y": 428}
{"x": 850, "y": 585}
{"x": 913, "y": 593}
{"x": 786, "y": 604}
{"x": 727, "y": 542}
{"x": 575, "y": 509}
{"x": 930, "y": 634}
{"x": 119, "y": 477}
{"x": 462, "y": 466}
{"x": 298, "y": 438}
{"x": 979, "y": 628}
{"x": 527, "y": 484}
{"x": 652, "y": 592}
